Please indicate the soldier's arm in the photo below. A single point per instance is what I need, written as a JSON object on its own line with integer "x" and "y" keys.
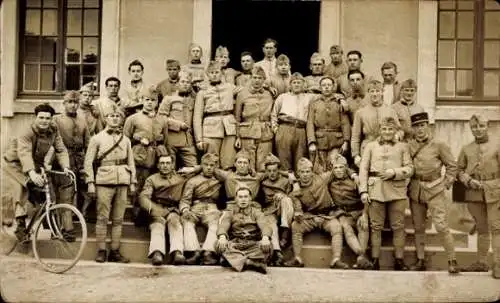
{"x": 61, "y": 151}
{"x": 187, "y": 195}
{"x": 131, "y": 163}
{"x": 25, "y": 151}
{"x": 406, "y": 171}
{"x": 164, "y": 110}
{"x": 311, "y": 136}
{"x": 221, "y": 174}
{"x": 364, "y": 169}
{"x": 263, "y": 223}
{"x": 225, "y": 223}
{"x": 146, "y": 202}
{"x": 238, "y": 107}
{"x": 128, "y": 128}
{"x": 449, "y": 162}
{"x": 346, "y": 127}
{"x": 461, "y": 166}
{"x": 401, "y": 130}
{"x": 275, "y": 112}
{"x": 297, "y": 205}
{"x": 199, "y": 104}
{"x": 356, "y": 135}
{"x": 90, "y": 156}
{"x": 86, "y": 135}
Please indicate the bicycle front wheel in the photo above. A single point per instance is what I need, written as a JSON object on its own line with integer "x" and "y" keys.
{"x": 59, "y": 238}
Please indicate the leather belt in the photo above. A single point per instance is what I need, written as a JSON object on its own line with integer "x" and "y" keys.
{"x": 113, "y": 162}
{"x": 485, "y": 177}
{"x": 222, "y": 113}
{"x": 427, "y": 178}
{"x": 291, "y": 121}
{"x": 329, "y": 130}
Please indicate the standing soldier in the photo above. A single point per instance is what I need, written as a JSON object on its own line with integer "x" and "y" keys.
{"x": 288, "y": 121}
{"x": 406, "y": 106}
{"x": 112, "y": 154}
{"x": 337, "y": 66}
{"x": 389, "y": 71}
{"x": 247, "y": 64}
{"x": 75, "y": 134}
{"x": 427, "y": 188}
{"x": 222, "y": 57}
{"x": 108, "y": 103}
{"x": 317, "y": 67}
{"x": 168, "y": 86}
{"x": 243, "y": 234}
{"x": 178, "y": 108}
{"x": 479, "y": 171}
{"x": 357, "y": 98}
{"x": 366, "y": 127}
{"x": 384, "y": 173}
{"x": 195, "y": 67}
{"x": 213, "y": 118}
{"x": 160, "y": 197}
{"x": 147, "y": 132}
{"x": 354, "y": 61}
{"x": 281, "y": 81}
{"x": 134, "y": 88}
{"x": 199, "y": 205}
{"x": 86, "y": 109}
{"x": 268, "y": 64}
{"x": 24, "y": 157}
{"x": 328, "y": 128}
{"x": 253, "y": 116}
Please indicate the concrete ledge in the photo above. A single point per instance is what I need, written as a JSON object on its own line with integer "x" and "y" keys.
{"x": 463, "y": 112}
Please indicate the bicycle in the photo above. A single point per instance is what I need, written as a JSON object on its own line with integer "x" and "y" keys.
{"x": 54, "y": 217}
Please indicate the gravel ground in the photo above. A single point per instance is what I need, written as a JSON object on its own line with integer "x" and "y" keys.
{"x": 22, "y": 280}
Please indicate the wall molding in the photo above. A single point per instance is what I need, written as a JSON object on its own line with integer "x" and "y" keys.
{"x": 202, "y": 27}
{"x": 9, "y": 41}
{"x": 110, "y": 40}
{"x": 464, "y": 112}
{"x": 330, "y": 26}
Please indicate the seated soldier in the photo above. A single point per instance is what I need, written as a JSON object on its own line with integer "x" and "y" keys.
{"x": 350, "y": 210}
{"x": 243, "y": 234}
{"x": 160, "y": 197}
{"x": 314, "y": 208}
{"x": 199, "y": 205}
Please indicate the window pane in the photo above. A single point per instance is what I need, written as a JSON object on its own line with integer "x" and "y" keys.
{"x": 73, "y": 50}
{"x": 75, "y": 3}
{"x": 50, "y": 3}
{"x": 33, "y": 3}
{"x": 492, "y": 25}
{"x": 446, "y": 24}
{"x": 492, "y": 54}
{"x": 492, "y": 4}
{"x": 49, "y": 49}
{"x": 446, "y": 4}
{"x": 73, "y": 77}
{"x": 446, "y": 54}
{"x": 32, "y": 22}
{"x": 491, "y": 84}
{"x": 49, "y": 22}
{"x": 465, "y": 24}
{"x": 91, "y": 24}
{"x": 92, "y": 3}
{"x": 464, "y": 83}
{"x": 31, "y": 49}
{"x": 89, "y": 70}
{"x": 30, "y": 77}
{"x": 465, "y": 5}
{"x": 90, "y": 50}
{"x": 465, "y": 53}
{"x": 48, "y": 77}
{"x": 446, "y": 83}
{"x": 74, "y": 26}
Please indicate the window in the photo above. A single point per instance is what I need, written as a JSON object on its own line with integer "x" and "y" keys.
{"x": 468, "y": 51}
{"x": 60, "y": 45}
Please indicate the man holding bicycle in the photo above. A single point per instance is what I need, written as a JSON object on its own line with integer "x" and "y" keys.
{"x": 22, "y": 161}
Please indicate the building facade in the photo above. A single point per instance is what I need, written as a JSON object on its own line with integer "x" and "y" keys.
{"x": 452, "y": 48}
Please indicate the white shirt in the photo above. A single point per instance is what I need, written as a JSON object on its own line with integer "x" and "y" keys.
{"x": 388, "y": 94}
{"x": 269, "y": 67}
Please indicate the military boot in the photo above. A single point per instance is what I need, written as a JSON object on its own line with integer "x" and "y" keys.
{"x": 362, "y": 262}
{"x": 194, "y": 259}
{"x": 210, "y": 258}
{"x": 399, "y": 264}
{"x": 376, "y": 264}
{"x": 295, "y": 262}
{"x": 277, "y": 259}
{"x": 157, "y": 258}
{"x": 116, "y": 256}
{"x": 284, "y": 237}
{"x": 419, "y": 265}
{"x": 453, "y": 267}
{"x": 256, "y": 266}
{"x": 21, "y": 228}
{"x": 177, "y": 258}
{"x": 338, "y": 264}
{"x": 101, "y": 256}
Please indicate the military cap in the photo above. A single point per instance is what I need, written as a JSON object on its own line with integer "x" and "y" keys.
{"x": 258, "y": 70}
{"x": 242, "y": 154}
{"x": 213, "y": 65}
{"x": 335, "y": 49}
{"x": 374, "y": 84}
{"x": 221, "y": 50}
{"x": 477, "y": 118}
{"x": 338, "y": 159}
{"x": 88, "y": 87}
{"x": 173, "y": 63}
{"x": 71, "y": 95}
{"x": 419, "y": 117}
{"x": 409, "y": 83}
{"x": 271, "y": 160}
{"x": 388, "y": 121}
{"x": 304, "y": 163}
{"x": 282, "y": 59}
{"x": 209, "y": 158}
{"x": 316, "y": 56}
{"x": 296, "y": 76}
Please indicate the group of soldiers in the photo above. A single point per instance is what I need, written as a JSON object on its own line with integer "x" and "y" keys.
{"x": 259, "y": 157}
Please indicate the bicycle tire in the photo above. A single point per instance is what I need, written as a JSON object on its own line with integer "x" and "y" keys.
{"x": 58, "y": 265}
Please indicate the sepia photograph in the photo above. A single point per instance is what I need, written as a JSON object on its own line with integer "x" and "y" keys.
{"x": 250, "y": 151}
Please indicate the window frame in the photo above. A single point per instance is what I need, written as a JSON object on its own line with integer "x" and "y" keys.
{"x": 478, "y": 68}
{"x": 60, "y": 64}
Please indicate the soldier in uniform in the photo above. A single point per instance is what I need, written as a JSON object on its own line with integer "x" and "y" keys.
{"x": 328, "y": 128}
{"x": 366, "y": 126}
{"x": 247, "y": 65}
{"x": 86, "y": 109}
{"x": 281, "y": 81}
{"x": 406, "y": 106}
{"x": 168, "y": 86}
{"x": 114, "y": 178}
{"x": 317, "y": 67}
{"x": 199, "y": 205}
{"x": 178, "y": 108}
{"x": 253, "y": 116}
{"x": 337, "y": 66}
{"x": 314, "y": 208}
{"x": 222, "y": 57}
{"x": 75, "y": 134}
{"x": 357, "y": 98}
{"x": 354, "y": 61}
{"x": 389, "y": 71}
{"x": 134, "y": 88}
{"x": 195, "y": 67}
{"x": 288, "y": 121}
{"x": 213, "y": 117}
{"x": 350, "y": 212}
{"x": 268, "y": 64}
{"x": 160, "y": 197}
{"x": 479, "y": 172}
{"x": 427, "y": 188}
{"x": 109, "y": 102}
{"x": 24, "y": 156}
{"x": 243, "y": 235}
{"x": 384, "y": 173}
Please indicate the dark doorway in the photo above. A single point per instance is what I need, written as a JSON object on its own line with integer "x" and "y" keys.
{"x": 243, "y": 25}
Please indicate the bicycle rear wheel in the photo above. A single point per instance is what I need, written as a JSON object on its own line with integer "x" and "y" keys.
{"x": 51, "y": 242}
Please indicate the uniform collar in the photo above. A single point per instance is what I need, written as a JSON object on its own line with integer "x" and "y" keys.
{"x": 184, "y": 94}
{"x": 198, "y": 61}
{"x": 390, "y": 142}
{"x": 71, "y": 115}
{"x": 112, "y": 131}
{"x": 150, "y": 115}
{"x": 423, "y": 140}
{"x": 256, "y": 91}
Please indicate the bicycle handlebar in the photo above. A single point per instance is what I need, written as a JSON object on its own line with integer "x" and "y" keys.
{"x": 68, "y": 173}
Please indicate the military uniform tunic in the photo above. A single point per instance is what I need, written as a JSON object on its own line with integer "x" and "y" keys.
{"x": 405, "y": 111}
